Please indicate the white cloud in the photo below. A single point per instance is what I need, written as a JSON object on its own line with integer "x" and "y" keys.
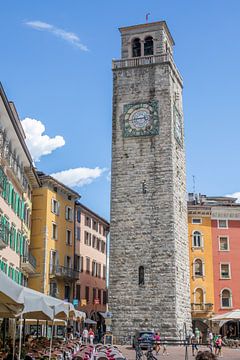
{"x": 65, "y": 35}
{"x": 38, "y": 143}
{"x": 78, "y": 176}
{"x": 235, "y": 195}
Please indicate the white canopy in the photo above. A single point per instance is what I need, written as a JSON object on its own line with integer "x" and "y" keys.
{"x": 37, "y": 308}
{"x": 231, "y": 315}
{"x": 15, "y": 298}
{"x": 11, "y": 297}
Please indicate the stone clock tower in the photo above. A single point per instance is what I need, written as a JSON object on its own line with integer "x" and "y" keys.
{"x": 149, "y": 264}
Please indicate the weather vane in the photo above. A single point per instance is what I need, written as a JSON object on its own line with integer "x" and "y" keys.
{"x": 147, "y": 16}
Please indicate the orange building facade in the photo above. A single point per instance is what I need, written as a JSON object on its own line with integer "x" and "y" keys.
{"x": 214, "y": 238}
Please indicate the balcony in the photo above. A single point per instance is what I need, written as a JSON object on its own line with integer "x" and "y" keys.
{"x": 201, "y": 307}
{"x": 146, "y": 60}
{"x": 29, "y": 263}
{"x": 63, "y": 272}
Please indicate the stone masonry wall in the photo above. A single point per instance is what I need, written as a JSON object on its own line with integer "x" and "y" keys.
{"x": 148, "y": 229}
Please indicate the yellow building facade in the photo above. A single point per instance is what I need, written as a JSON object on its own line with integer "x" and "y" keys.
{"x": 201, "y": 264}
{"x": 52, "y": 238}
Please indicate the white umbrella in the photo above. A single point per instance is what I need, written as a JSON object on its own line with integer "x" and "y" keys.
{"x": 11, "y": 297}
{"x": 37, "y": 308}
{"x": 231, "y": 315}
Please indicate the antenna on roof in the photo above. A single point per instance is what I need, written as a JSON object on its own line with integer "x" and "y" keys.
{"x": 194, "y": 184}
{"x": 147, "y": 16}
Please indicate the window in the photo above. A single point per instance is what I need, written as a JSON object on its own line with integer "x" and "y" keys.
{"x": 223, "y": 243}
{"x": 104, "y": 231}
{"x": 94, "y": 242}
{"x": 55, "y": 207}
{"x": 103, "y": 247}
{"x": 148, "y": 46}
{"x": 68, "y": 237}
{"x": 94, "y": 268}
{"x": 78, "y": 292}
{"x": 68, "y": 213}
{"x": 226, "y": 298}
{"x": 222, "y": 224}
{"x": 198, "y": 268}
{"x": 225, "y": 271}
{"x": 68, "y": 262}
{"x": 88, "y": 221}
{"x": 99, "y": 270}
{"x": 136, "y": 48}
{"x": 87, "y": 238}
{"x": 77, "y": 262}
{"x": 78, "y": 215}
{"x": 141, "y": 275}
{"x": 197, "y": 239}
{"x": 53, "y": 289}
{"x": 104, "y": 297}
{"x": 94, "y": 294}
{"x": 54, "y": 231}
{"x": 104, "y": 272}
{"x": 95, "y": 225}
{"x": 100, "y": 296}
{"x": 67, "y": 293}
{"x": 98, "y": 244}
{"x": 87, "y": 293}
{"x": 196, "y": 221}
{"x": 88, "y": 265}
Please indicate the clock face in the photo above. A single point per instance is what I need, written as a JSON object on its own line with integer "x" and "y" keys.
{"x": 141, "y": 119}
{"x": 178, "y": 126}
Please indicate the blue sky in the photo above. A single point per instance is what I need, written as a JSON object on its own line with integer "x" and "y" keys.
{"x": 52, "y": 78}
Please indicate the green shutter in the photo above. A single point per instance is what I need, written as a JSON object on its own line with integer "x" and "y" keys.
{"x": 13, "y": 273}
{"x": 6, "y": 268}
{"x": 21, "y": 244}
{"x": 7, "y": 232}
{"x": 4, "y": 188}
{"x": 14, "y": 239}
{"x": 16, "y": 203}
{"x": 22, "y": 210}
{"x": 10, "y": 194}
{"x": 20, "y": 278}
{"x": 3, "y": 227}
{"x": 10, "y": 237}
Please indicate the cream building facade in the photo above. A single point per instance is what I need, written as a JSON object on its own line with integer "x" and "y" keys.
{"x": 17, "y": 179}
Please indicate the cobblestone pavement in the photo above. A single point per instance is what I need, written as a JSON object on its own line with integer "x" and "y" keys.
{"x": 178, "y": 353}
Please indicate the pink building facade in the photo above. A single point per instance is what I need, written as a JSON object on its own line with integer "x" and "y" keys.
{"x": 91, "y": 232}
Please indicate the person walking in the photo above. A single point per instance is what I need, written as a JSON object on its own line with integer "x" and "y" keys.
{"x": 197, "y": 335}
{"x": 219, "y": 346}
{"x": 157, "y": 339}
{"x": 91, "y": 336}
{"x": 194, "y": 344}
{"x": 85, "y": 336}
{"x": 210, "y": 340}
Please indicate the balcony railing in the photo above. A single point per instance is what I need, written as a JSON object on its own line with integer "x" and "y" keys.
{"x": 64, "y": 272}
{"x": 202, "y": 307}
{"x": 29, "y": 263}
{"x": 146, "y": 60}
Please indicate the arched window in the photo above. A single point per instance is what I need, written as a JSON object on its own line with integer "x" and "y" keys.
{"x": 198, "y": 267}
{"x": 226, "y": 298}
{"x": 136, "y": 48}
{"x": 199, "y": 296}
{"x": 197, "y": 239}
{"x": 141, "y": 275}
{"x": 148, "y": 46}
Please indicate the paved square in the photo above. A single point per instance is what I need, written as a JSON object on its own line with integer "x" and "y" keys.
{"x": 178, "y": 353}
